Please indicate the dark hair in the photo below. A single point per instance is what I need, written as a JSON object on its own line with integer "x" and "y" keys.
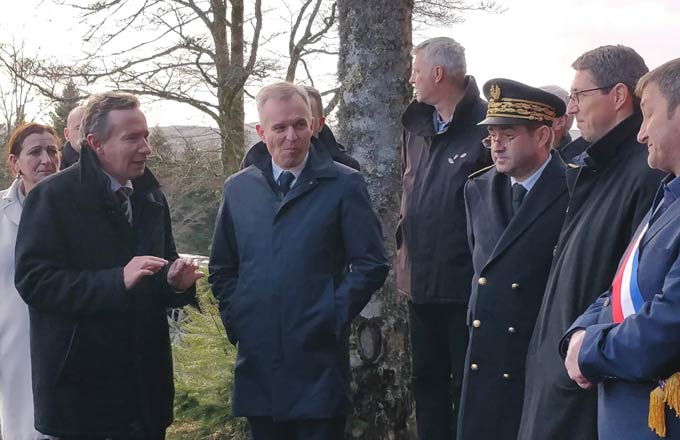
{"x": 611, "y": 65}
{"x": 97, "y": 111}
{"x": 667, "y": 78}
{"x": 23, "y": 131}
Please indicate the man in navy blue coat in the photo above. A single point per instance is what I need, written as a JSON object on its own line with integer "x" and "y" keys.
{"x": 297, "y": 253}
{"x": 628, "y": 341}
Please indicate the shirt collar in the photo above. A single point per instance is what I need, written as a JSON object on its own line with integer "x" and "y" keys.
{"x": 440, "y": 126}
{"x": 531, "y": 180}
{"x": 277, "y": 170}
{"x": 115, "y": 185}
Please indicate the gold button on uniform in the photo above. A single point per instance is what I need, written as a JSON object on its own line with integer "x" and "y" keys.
{"x": 474, "y": 367}
{"x": 482, "y": 281}
{"x": 476, "y": 323}
{"x": 506, "y": 376}
{"x": 515, "y": 286}
{"x": 512, "y": 330}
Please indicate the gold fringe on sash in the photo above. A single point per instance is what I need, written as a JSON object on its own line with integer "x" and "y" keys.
{"x": 658, "y": 399}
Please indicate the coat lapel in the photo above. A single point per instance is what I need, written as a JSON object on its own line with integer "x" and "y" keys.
{"x": 671, "y": 213}
{"x": 549, "y": 187}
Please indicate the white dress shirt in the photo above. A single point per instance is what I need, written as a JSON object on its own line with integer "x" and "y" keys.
{"x": 277, "y": 170}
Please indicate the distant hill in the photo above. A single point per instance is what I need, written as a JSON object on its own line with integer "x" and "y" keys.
{"x": 201, "y": 137}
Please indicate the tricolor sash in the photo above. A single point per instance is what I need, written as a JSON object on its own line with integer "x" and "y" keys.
{"x": 626, "y": 296}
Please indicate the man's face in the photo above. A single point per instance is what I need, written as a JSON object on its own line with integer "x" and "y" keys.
{"x": 659, "y": 132}
{"x": 516, "y": 151}
{"x": 72, "y": 130}
{"x": 123, "y": 155}
{"x": 286, "y": 127}
{"x": 595, "y": 112}
{"x": 422, "y": 78}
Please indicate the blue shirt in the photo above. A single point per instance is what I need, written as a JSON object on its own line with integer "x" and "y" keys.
{"x": 531, "y": 180}
{"x": 439, "y": 125}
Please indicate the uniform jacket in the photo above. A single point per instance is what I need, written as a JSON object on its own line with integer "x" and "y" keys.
{"x": 609, "y": 197}
{"x": 627, "y": 360}
{"x": 511, "y": 257}
{"x": 101, "y": 354}
{"x": 69, "y": 156}
{"x": 433, "y": 259}
{"x": 279, "y": 269}
{"x": 325, "y": 143}
{"x": 16, "y": 396}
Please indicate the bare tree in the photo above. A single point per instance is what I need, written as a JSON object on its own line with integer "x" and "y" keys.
{"x": 15, "y": 93}
{"x": 450, "y": 12}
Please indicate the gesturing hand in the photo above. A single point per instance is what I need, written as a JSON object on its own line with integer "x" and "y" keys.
{"x": 183, "y": 274}
{"x": 571, "y": 361}
{"x": 140, "y": 267}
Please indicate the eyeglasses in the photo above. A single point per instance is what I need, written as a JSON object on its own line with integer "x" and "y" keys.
{"x": 501, "y": 138}
{"x": 576, "y": 96}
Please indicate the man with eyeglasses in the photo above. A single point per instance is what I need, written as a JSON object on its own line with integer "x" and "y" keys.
{"x": 514, "y": 215}
{"x": 610, "y": 193}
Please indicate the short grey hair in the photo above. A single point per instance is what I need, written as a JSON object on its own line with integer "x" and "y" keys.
{"x": 95, "y": 118}
{"x": 315, "y": 96}
{"x": 611, "y": 65}
{"x": 667, "y": 79}
{"x": 445, "y": 52}
{"x": 280, "y": 91}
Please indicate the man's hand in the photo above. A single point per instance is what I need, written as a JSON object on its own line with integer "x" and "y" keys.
{"x": 140, "y": 267}
{"x": 571, "y": 361}
{"x": 183, "y": 274}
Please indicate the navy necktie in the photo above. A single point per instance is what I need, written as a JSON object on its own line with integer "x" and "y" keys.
{"x": 285, "y": 180}
{"x": 518, "y": 193}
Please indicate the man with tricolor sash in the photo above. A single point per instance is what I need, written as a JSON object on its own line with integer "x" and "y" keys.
{"x": 628, "y": 341}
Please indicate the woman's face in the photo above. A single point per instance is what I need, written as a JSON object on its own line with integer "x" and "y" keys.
{"x": 38, "y": 158}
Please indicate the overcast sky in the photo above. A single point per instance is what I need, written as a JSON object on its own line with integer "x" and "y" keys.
{"x": 534, "y": 41}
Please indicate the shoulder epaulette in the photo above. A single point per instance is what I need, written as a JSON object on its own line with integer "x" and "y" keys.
{"x": 480, "y": 172}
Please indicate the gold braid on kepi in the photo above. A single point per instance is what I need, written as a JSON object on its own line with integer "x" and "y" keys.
{"x": 514, "y": 103}
{"x": 520, "y": 108}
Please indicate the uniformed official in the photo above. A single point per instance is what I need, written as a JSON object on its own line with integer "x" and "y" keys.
{"x": 515, "y": 212}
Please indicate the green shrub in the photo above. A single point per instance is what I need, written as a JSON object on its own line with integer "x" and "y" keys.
{"x": 204, "y": 372}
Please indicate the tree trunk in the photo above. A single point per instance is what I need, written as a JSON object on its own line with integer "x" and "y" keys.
{"x": 373, "y": 69}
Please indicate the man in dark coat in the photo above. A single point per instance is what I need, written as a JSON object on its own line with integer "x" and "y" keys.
{"x": 441, "y": 147}
{"x": 610, "y": 194}
{"x": 322, "y": 137}
{"x": 70, "y": 154}
{"x": 515, "y": 213}
{"x": 629, "y": 338}
{"x": 297, "y": 253}
{"x": 97, "y": 265}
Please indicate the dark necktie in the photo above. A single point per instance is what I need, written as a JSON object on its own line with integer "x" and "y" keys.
{"x": 518, "y": 193}
{"x": 123, "y": 196}
{"x": 285, "y": 180}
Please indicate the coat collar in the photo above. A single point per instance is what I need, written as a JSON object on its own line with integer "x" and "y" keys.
{"x": 10, "y": 202}
{"x": 603, "y": 151}
{"x": 98, "y": 183}
{"x": 418, "y": 116}
{"x": 673, "y": 212}
{"x": 550, "y": 187}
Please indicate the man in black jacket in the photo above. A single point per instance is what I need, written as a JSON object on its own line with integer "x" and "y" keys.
{"x": 441, "y": 147}
{"x": 70, "y": 154}
{"x": 97, "y": 265}
{"x": 610, "y": 194}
